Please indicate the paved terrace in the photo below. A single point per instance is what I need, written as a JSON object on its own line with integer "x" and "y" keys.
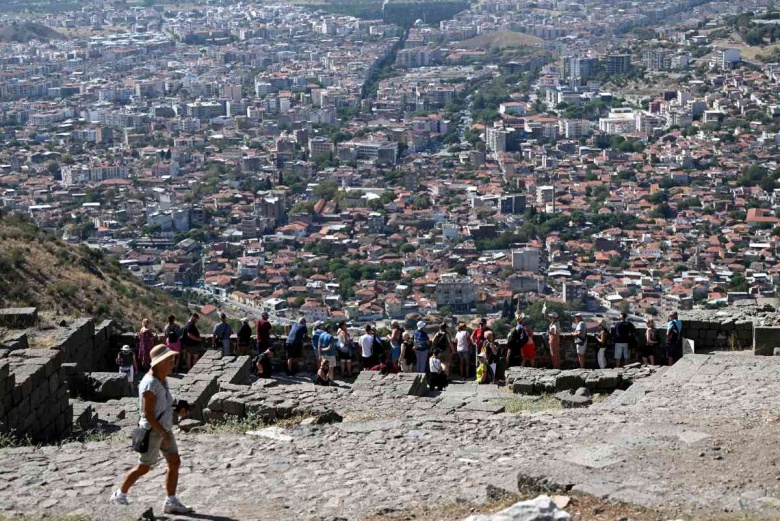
{"x": 700, "y": 438}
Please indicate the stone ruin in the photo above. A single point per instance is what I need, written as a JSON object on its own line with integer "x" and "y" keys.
{"x": 71, "y": 385}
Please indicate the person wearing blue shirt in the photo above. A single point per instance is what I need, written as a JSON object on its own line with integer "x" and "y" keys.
{"x": 421, "y": 344}
{"x": 327, "y": 349}
{"x": 674, "y": 338}
{"x": 294, "y": 345}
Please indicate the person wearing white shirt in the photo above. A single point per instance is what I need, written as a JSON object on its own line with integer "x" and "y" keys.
{"x": 367, "y": 348}
{"x": 438, "y": 376}
{"x": 462, "y": 344}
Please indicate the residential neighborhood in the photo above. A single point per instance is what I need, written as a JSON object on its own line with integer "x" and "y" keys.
{"x": 272, "y": 157}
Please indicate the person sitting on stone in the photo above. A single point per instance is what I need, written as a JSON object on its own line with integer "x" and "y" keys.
{"x": 263, "y": 363}
{"x": 484, "y": 374}
{"x": 438, "y": 374}
{"x": 385, "y": 366}
{"x": 324, "y": 376}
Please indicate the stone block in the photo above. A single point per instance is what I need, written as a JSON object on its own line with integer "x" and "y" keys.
{"x": 568, "y": 380}
{"x": 765, "y": 338}
{"x": 107, "y": 386}
{"x": 17, "y": 318}
{"x": 15, "y": 340}
{"x": 523, "y": 386}
{"x": 608, "y": 379}
{"x": 573, "y": 401}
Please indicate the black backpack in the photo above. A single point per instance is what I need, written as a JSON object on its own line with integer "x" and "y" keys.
{"x": 517, "y": 337}
{"x": 173, "y": 336}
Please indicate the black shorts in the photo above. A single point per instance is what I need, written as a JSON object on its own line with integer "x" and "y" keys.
{"x": 674, "y": 351}
{"x": 344, "y": 356}
{"x": 294, "y": 351}
{"x": 648, "y": 350}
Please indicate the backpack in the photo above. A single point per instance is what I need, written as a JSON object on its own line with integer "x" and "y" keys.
{"x": 517, "y": 337}
{"x": 173, "y": 336}
{"x": 315, "y": 339}
{"x": 376, "y": 346}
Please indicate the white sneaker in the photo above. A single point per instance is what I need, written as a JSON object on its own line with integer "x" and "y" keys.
{"x": 174, "y": 506}
{"x": 118, "y": 498}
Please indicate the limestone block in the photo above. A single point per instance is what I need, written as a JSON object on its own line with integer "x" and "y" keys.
{"x": 106, "y": 386}
{"x": 18, "y": 317}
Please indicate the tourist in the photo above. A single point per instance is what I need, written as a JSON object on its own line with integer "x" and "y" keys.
{"x": 515, "y": 341}
{"x": 624, "y": 336}
{"x": 396, "y": 339}
{"x": 603, "y": 339}
{"x": 367, "y": 348}
{"x": 263, "y": 330}
{"x": 484, "y": 375}
{"x": 437, "y": 378}
{"x": 191, "y": 341}
{"x": 580, "y": 338}
{"x": 528, "y": 352}
{"x": 554, "y": 339}
{"x": 294, "y": 345}
{"x": 444, "y": 343}
{"x": 651, "y": 343}
{"x": 478, "y": 335}
{"x": 127, "y": 363}
{"x": 324, "y": 374}
{"x": 421, "y": 344}
{"x": 673, "y": 338}
{"x": 146, "y": 341}
{"x": 326, "y": 349}
{"x": 408, "y": 356}
{"x": 315, "y": 342}
{"x": 244, "y": 337}
{"x": 346, "y": 351}
{"x": 385, "y": 366}
{"x": 490, "y": 349}
{"x": 264, "y": 363}
{"x": 172, "y": 335}
{"x": 156, "y": 405}
{"x": 462, "y": 345}
{"x": 220, "y": 335}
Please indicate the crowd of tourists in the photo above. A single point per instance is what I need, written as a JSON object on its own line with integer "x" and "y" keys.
{"x": 439, "y": 357}
{"x": 463, "y": 352}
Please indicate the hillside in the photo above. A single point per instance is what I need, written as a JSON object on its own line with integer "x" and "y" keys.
{"x": 27, "y": 31}
{"x": 67, "y": 281}
{"x": 498, "y": 39}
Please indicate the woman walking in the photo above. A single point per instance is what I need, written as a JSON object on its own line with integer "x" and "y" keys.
{"x": 157, "y": 417}
{"x": 146, "y": 342}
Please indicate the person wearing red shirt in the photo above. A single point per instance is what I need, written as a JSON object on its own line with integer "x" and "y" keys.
{"x": 264, "y": 329}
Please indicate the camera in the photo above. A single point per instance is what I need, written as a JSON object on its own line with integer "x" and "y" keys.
{"x": 181, "y": 405}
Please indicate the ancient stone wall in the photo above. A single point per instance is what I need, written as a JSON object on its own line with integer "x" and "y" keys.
{"x": 208, "y": 376}
{"x": 35, "y": 400}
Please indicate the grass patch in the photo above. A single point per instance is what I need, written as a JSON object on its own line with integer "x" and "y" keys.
{"x": 517, "y": 404}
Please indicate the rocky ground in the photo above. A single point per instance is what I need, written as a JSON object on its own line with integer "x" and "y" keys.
{"x": 699, "y": 439}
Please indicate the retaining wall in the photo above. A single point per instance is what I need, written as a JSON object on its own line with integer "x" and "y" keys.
{"x": 35, "y": 400}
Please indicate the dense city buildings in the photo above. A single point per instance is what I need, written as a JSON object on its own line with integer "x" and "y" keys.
{"x": 273, "y": 157}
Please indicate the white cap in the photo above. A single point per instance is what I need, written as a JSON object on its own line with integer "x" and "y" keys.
{"x": 553, "y": 314}
{"x": 420, "y": 325}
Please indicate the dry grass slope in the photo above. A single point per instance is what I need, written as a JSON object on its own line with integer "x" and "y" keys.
{"x": 39, "y": 270}
{"x": 499, "y": 39}
{"x": 24, "y": 32}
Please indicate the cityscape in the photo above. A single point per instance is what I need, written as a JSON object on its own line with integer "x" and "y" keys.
{"x": 448, "y": 258}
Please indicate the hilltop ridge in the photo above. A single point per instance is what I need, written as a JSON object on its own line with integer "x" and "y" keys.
{"x": 27, "y": 31}
{"x": 63, "y": 280}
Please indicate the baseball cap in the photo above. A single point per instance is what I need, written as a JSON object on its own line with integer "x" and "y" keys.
{"x": 420, "y": 325}
{"x": 554, "y": 314}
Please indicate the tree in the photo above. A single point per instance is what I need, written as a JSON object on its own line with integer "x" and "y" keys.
{"x": 408, "y": 248}
{"x": 326, "y": 190}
